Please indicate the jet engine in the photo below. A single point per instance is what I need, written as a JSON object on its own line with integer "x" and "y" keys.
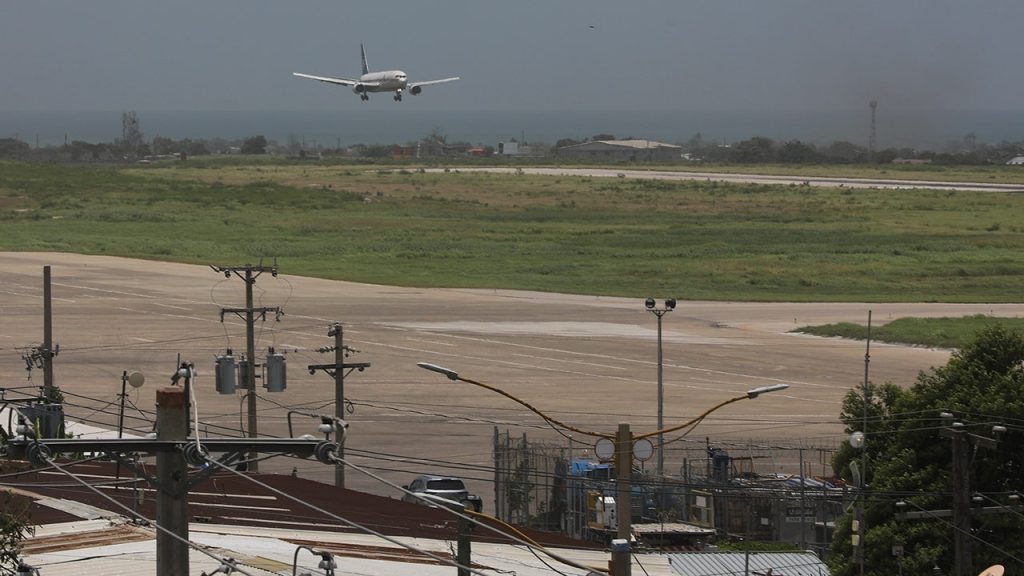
{"x": 415, "y": 90}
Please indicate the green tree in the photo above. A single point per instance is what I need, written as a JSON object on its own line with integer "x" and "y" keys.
{"x": 797, "y": 152}
{"x": 908, "y": 460}
{"x": 255, "y": 145}
{"x": 14, "y": 527}
{"x": 757, "y": 150}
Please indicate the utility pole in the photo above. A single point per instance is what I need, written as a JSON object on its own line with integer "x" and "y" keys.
{"x": 249, "y": 274}
{"x": 964, "y": 445}
{"x": 47, "y": 351}
{"x": 961, "y": 501}
{"x": 622, "y": 557}
{"x": 339, "y": 395}
{"x": 337, "y": 370}
{"x": 174, "y": 451}
{"x": 862, "y": 524}
{"x": 172, "y": 475}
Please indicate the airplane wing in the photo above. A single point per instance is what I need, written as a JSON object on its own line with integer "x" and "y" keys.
{"x": 329, "y": 80}
{"x": 429, "y": 82}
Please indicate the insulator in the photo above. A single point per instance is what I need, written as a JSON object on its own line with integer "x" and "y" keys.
{"x": 195, "y": 454}
{"x": 325, "y": 452}
{"x": 38, "y": 453}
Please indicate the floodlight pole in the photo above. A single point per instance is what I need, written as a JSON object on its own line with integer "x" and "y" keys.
{"x": 670, "y": 305}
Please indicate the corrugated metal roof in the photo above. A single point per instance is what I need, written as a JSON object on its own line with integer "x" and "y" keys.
{"x": 636, "y": 144}
{"x": 272, "y": 551}
{"x": 752, "y": 564}
{"x": 671, "y": 528}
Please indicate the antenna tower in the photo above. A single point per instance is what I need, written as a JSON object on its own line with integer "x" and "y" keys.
{"x": 872, "y": 136}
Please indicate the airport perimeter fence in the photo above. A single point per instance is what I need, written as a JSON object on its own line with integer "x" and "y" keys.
{"x": 710, "y": 484}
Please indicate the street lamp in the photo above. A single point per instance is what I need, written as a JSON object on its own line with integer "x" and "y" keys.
{"x": 624, "y": 442}
{"x": 652, "y": 307}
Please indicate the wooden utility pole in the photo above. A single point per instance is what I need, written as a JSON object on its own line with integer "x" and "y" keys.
{"x": 964, "y": 444}
{"x": 172, "y": 475}
{"x": 339, "y": 398}
{"x": 337, "y": 371}
{"x": 622, "y": 556}
{"x": 464, "y": 552}
{"x": 47, "y": 351}
{"x": 249, "y": 273}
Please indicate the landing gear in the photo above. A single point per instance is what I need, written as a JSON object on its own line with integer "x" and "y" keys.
{"x": 364, "y": 96}
{"x": 398, "y": 96}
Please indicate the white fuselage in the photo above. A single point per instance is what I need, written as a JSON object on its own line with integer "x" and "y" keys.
{"x": 386, "y": 81}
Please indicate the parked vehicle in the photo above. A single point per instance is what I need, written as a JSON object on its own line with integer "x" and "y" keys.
{"x": 448, "y": 487}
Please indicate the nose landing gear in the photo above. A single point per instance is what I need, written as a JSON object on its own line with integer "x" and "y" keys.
{"x": 398, "y": 96}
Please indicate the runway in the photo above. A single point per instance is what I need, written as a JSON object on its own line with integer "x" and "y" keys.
{"x": 877, "y": 183}
{"x": 586, "y": 360}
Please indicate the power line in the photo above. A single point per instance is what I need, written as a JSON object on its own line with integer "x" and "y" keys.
{"x": 228, "y": 561}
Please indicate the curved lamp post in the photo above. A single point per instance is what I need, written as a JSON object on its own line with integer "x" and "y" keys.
{"x": 624, "y": 439}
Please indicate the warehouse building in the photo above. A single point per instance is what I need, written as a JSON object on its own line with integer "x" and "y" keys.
{"x": 622, "y": 150}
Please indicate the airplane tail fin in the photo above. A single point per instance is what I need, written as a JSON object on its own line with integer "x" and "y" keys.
{"x": 366, "y": 69}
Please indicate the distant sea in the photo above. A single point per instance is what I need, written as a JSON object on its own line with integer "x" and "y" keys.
{"x": 349, "y": 125}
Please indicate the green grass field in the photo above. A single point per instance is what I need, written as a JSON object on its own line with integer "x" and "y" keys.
{"x": 933, "y": 332}
{"x": 395, "y": 225}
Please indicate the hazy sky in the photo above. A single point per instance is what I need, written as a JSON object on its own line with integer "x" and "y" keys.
{"x": 176, "y": 55}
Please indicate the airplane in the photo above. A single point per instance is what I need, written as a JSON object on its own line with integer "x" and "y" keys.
{"x": 388, "y": 81}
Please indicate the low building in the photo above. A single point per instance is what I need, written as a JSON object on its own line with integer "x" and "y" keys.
{"x": 753, "y": 563}
{"x": 622, "y": 151}
{"x": 1016, "y": 161}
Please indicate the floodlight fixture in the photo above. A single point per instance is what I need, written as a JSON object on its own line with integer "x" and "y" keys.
{"x": 649, "y": 303}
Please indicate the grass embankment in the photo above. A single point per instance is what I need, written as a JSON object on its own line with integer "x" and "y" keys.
{"x": 630, "y": 237}
{"x": 932, "y": 332}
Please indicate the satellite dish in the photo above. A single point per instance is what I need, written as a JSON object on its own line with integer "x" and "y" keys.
{"x": 643, "y": 449}
{"x": 604, "y": 449}
{"x": 994, "y": 570}
{"x": 136, "y": 379}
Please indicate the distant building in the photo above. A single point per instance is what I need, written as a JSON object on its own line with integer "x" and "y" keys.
{"x": 622, "y": 150}
{"x": 521, "y": 149}
{"x": 510, "y": 148}
{"x": 1016, "y": 161}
